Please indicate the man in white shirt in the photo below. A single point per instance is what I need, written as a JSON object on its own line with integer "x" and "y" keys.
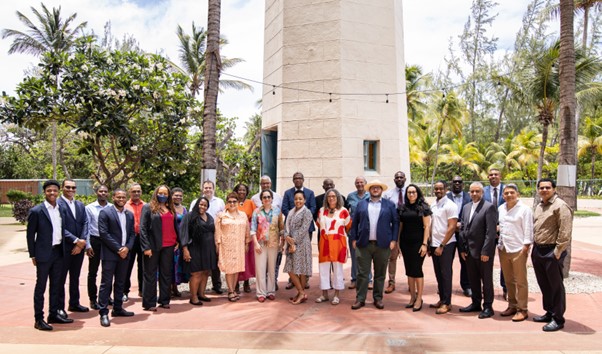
{"x": 93, "y": 243}
{"x": 516, "y": 237}
{"x": 443, "y": 245}
{"x": 266, "y": 184}
{"x": 396, "y": 196}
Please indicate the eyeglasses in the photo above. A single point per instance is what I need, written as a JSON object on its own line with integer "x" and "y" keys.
{"x": 266, "y": 197}
{"x": 232, "y": 201}
{"x": 457, "y": 182}
{"x": 411, "y": 193}
{"x": 70, "y": 187}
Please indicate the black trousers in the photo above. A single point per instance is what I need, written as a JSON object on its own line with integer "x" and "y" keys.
{"x": 136, "y": 253}
{"x": 72, "y": 265}
{"x": 480, "y": 275}
{"x": 464, "y": 281}
{"x": 117, "y": 271}
{"x": 443, "y": 266}
{"x": 51, "y": 269}
{"x": 548, "y": 271}
{"x": 216, "y": 277}
{"x": 93, "y": 265}
{"x": 162, "y": 261}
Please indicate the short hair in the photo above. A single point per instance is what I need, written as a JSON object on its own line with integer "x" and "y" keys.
{"x": 132, "y": 185}
{"x": 98, "y": 187}
{"x": 51, "y": 182}
{"x": 236, "y": 187}
{"x": 232, "y": 195}
{"x": 442, "y": 182}
{"x": 362, "y": 177}
{"x": 494, "y": 169}
{"x": 177, "y": 189}
{"x": 66, "y": 180}
{"x": 511, "y": 186}
{"x": 210, "y": 182}
{"x": 546, "y": 179}
{"x": 298, "y": 191}
{"x": 477, "y": 184}
{"x": 265, "y": 177}
{"x": 298, "y": 173}
{"x": 117, "y": 190}
{"x": 265, "y": 191}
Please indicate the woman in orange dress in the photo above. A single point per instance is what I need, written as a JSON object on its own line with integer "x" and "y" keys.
{"x": 246, "y": 206}
{"x": 334, "y": 221}
{"x": 232, "y": 237}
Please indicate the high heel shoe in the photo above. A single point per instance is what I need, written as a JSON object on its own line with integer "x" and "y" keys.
{"x": 411, "y": 304}
{"x": 416, "y": 309}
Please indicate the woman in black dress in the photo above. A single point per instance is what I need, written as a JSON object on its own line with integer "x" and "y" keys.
{"x": 198, "y": 249}
{"x": 414, "y": 230}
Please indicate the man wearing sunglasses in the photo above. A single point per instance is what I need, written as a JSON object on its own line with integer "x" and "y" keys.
{"x": 460, "y": 198}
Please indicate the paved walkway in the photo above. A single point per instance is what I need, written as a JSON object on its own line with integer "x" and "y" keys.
{"x": 250, "y": 327}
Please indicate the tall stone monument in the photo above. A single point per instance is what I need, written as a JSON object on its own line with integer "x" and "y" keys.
{"x": 335, "y": 105}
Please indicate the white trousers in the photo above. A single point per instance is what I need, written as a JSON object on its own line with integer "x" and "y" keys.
{"x": 265, "y": 262}
{"x": 338, "y": 282}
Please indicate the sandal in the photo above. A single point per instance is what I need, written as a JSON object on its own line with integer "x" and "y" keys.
{"x": 322, "y": 299}
{"x": 232, "y": 297}
{"x": 335, "y": 300}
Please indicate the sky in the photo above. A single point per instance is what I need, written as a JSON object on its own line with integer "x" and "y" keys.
{"x": 427, "y": 30}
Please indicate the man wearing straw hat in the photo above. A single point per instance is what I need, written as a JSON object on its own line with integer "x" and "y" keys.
{"x": 373, "y": 235}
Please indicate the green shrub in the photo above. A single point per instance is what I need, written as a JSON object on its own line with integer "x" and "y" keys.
{"x": 15, "y": 195}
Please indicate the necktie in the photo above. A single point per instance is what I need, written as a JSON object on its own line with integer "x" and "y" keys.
{"x": 400, "y": 199}
{"x": 495, "y": 196}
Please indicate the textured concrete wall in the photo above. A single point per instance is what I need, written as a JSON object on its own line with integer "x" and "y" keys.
{"x": 343, "y": 46}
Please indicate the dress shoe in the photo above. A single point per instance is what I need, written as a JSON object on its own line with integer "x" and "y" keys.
{"x": 62, "y": 313}
{"x": 218, "y": 291}
{"x": 520, "y": 316}
{"x": 94, "y": 305}
{"x": 508, "y": 312}
{"x": 104, "y": 321}
{"x": 165, "y": 306}
{"x": 486, "y": 313}
{"x": 352, "y": 285}
{"x": 272, "y": 297}
{"x": 122, "y": 313}
{"x": 390, "y": 289}
{"x": 436, "y": 305}
{"x": 379, "y": 304}
{"x": 42, "y": 325}
{"x": 246, "y": 287}
{"x": 553, "y": 326}
{"x": 467, "y": 292}
{"x": 358, "y": 305}
{"x": 150, "y": 309}
{"x": 59, "y": 319}
{"x": 471, "y": 308}
{"x": 443, "y": 309}
{"x": 204, "y": 298}
{"x": 261, "y": 298}
{"x": 289, "y": 286}
{"x": 198, "y": 303}
{"x": 78, "y": 308}
{"x": 544, "y": 318}
{"x": 125, "y": 298}
{"x": 416, "y": 309}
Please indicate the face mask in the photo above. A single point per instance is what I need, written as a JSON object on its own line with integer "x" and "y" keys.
{"x": 162, "y": 198}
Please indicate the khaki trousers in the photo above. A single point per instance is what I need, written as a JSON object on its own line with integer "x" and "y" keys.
{"x": 514, "y": 267}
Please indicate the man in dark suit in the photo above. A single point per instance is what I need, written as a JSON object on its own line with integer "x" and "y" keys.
{"x": 460, "y": 198}
{"x": 45, "y": 247}
{"x": 478, "y": 232}
{"x": 288, "y": 203}
{"x": 373, "y": 234}
{"x": 75, "y": 223}
{"x": 116, "y": 229}
{"x": 493, "y": 194}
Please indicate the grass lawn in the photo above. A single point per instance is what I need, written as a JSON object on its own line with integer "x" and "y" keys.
{"x": 6, "y": 211}
{"x": 585, "y": 213}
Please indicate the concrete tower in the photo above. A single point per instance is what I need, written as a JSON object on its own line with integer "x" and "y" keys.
{"x": 331, "y": 64}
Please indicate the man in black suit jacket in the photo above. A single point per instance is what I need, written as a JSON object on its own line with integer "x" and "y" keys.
{"x": 45, "y": 247}
{"x": 461, "y": 198}
{"x": 493, "y": 194}
{"x": 75, "y": 222}
{"x": 116, "y": 229}
{"x": 478, "y": 232}
{"x": 288, "y": 204}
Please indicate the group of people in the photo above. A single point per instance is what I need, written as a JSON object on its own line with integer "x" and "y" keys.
{"x": 246, "y": 238}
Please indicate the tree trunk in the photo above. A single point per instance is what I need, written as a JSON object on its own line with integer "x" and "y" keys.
{"x": 212, "y": 72}
{"x": 54, "y": 150}
{"x": 567, "y": 158}
{"x": 542, "y": 149}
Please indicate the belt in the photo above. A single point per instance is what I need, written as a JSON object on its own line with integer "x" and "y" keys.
{"x": 372, "y": 242}
{"x": 545, "y": 245}
{"x": 56, "y": 246}
{"x": 95, "y": 235}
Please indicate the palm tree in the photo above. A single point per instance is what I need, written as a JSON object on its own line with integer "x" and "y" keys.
{"x": 581, "y": 6}
{"x": 53, "y": 35}
{"x": 450, "y": 113}
{"x": 463, "y": 156}
{"x": 415, "y": 97}
{"x": 591, "y": 140}
{"x": 192, "y": 57}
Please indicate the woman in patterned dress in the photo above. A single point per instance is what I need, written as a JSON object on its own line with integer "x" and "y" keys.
{"x": 246, "y": 206}
{"x": 267, "y": 229}
{"x": 334, "y": 221}
{"x": 298, "y": 247}
{"x": 232, "y": 239}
